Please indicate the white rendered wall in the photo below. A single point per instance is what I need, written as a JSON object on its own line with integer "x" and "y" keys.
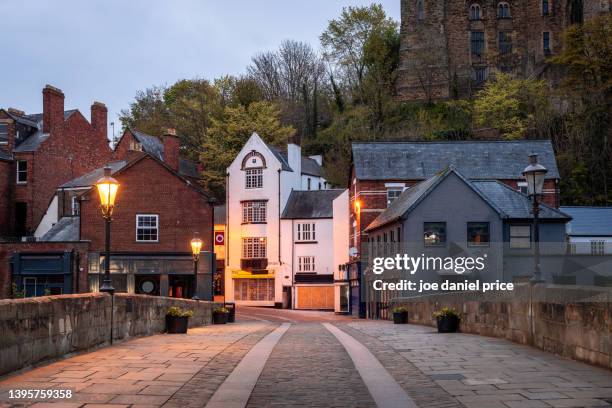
{"x": 340, "y": 241}
{"x": 48, "y": 220}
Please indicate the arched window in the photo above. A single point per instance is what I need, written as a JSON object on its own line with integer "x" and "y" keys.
{"x": 420, "y": 10}
{"x": 474, "y": 12}
{"x": 503, "y": 10}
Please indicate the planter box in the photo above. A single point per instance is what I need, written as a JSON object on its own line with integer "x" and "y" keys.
{"x": 400, "y": 317}
{"x": 448, "y": 324}
{"x": 177, "y": 324}
{"x": 219, "y": 317}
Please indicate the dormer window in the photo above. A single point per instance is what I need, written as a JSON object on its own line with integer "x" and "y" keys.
{"x": 135, "y": 146}
{"x": 503, "y": 10}
{"x": 475, "y": 12}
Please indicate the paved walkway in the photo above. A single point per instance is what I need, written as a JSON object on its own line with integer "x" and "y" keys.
{"x": 308, "y": 366}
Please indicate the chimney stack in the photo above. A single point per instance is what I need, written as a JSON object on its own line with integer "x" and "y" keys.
{"x": 99, "y": 114}
{"x": 171, "y": 148}
{"x": 53, "y": 108}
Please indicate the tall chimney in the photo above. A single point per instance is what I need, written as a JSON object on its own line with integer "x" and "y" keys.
{"x": 171, "y": 148}
{"x": 53, "y": 108}
{"x": 99, "y": 115}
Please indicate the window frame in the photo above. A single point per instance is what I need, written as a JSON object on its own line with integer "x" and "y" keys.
{"x": 306, "y": 267}
{"x": 18, "y": 172}
{"x": 253, "y": 178}
{"x": 254, "y": 248}
{"x": 75, "y": 206}
{"x": 306, "y": 235}
{"x": 256, "y": 210}
{"x": 393, "y": 190}
{"x": 487, "y": 234}
{"x": 546, "y": 48}
{"x": 475, "y": 12}
{"x": 504, "y": 42}
{"x": 4, "y": 140}
{"x": 511, "y": 236}
{"x": 598, "y": 247}
{"x": 545, "y": 7}
{"x": 503, "y": 10}
{"x": 441, "y": 242}
{"x": 480, "y": 41}
{"x": 156, "y": 228}
{"x": 420, "y": 10}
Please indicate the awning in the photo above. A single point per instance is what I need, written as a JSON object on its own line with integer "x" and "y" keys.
{"x": 242, "y": 274}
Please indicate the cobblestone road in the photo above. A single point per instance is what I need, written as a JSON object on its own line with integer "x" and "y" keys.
{"x": 310, "y": 367}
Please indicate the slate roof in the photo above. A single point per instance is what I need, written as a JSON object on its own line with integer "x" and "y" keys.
{"x": 507, "y": 202}
{"x": 475, "y": 159}
{"x": 32, "y": 142}
{"x": 309, "y": 166}
{"x": 5, "y": 156}
{"x": 66, "y": 229}
{"x": 281, "y": 156}
{"x": 589, "y": 221}
{"x": 310, "y": 204}
{"x": 89, "y": 179}
{"x": 188, "y": 168}
{"x": 220, "y": 211}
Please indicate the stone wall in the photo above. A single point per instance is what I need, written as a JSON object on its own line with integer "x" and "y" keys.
{"x": 48, "y": 327}
{"x": 571, "y": 321}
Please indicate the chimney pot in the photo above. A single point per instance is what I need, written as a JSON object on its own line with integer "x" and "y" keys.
{"x": 53, "y": 108}
{"x": 171, "y": 148}
{"x": 99, "y": 118}
{"x": 16, "y": 112}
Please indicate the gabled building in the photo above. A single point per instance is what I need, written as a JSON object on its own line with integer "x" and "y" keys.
{"x": 261, "y": 181}
{"x": 39, "y": 152}
{"x": 590, "y": 230}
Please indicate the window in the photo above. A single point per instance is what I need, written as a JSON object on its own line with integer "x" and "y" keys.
{"x": 309, "y": 183}
{"x": 597, "y": 247}
{"x": 520, "y": 236}
{"x": 434, "y": 233}
{"x": 545, "y": 7}
{"x": 254, "y": 248}
{"x": 306, "y": 232}
{"x": 306, "y": 264}
{"x": 392, "y": 194}
{"x": 254, "y": 212}
{"x": 522, "y": 187}
{"x": 75, "y": 205}
{"x": 478, "y": 234}
{"x": 505, "y": 43}
{"x": 22, "y": 172}
{"x": 503, "y": 10}
{"x": 479, "y": 74}
{"x": 420, "y": 10}
{"x": 474, "y": 12}
{"x": 147, "y": 228}
{"x": 254, "y": 178}
{"x": 3, "y": 133}
{"x": 477, "y": 43}
{"x": 546, "y": 42}
{"x": 254, "y": 289}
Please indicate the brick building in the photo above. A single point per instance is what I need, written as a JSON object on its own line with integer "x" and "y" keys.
{"x": 38, "y": 152}
{"x": 449, "y": 48}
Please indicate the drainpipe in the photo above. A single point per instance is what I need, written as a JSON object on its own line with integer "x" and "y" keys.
{"x": 227, "y": 230}
{"x": 279, "y": 217}
{"x": 292, "y": 264}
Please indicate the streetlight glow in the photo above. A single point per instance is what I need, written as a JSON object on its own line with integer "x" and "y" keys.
{"x": 196, "y": 247}
{"x": 107, "y": 190}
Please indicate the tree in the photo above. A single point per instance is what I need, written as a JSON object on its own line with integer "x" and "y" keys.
{"x": 512, "y": 105}
{"x": 229, "y": 133}
{"x": 148, "y": 113}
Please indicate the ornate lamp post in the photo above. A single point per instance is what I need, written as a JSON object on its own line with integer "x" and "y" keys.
{"x": 534, "y": 175}
{"x": 196, "y": 247}
{"x": 107, "y": 190}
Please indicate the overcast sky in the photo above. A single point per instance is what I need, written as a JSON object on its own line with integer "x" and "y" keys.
{"x": 108, "y": 50}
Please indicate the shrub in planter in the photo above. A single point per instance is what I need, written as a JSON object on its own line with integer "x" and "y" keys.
{"x": 177, "y": 320}
{"x": 220, "y": 315}
{"x": 400, "y": 315}
{"x": 447, "y": 319}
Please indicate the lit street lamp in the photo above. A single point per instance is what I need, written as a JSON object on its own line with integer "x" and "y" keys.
{"x": 534, "y": 175}
{"x": 196, "y": 247}
{"x": 107, "y": 189}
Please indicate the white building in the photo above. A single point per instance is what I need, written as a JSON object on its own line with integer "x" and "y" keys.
{"x": 261, "y": 262}
{"x": 590, "y": 230}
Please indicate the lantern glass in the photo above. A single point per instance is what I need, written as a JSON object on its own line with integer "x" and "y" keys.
{"x": 107, "y": 190}
{"x": 535, "y": 175}
{"x": 196, "y": 246}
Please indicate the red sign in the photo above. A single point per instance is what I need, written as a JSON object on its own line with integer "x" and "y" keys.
{"x": 219, "y": 237}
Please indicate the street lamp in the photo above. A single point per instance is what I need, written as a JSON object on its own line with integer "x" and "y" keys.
{"x": 534, "y": 175}
{"x": 196, "y": 247}
{"x": 107, "y": 190}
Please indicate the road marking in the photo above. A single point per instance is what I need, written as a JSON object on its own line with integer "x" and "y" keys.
{"x": 238, "y": 386}
{"x": 385, "y": 391}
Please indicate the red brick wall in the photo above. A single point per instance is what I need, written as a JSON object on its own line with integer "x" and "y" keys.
{"x": 148, "y": 187}
{"x": 8, "y": 250}
{"x": 5, "y": 193}
{"x": 74, "y": 149}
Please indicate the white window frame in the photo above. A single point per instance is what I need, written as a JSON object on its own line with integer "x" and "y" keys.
{"x": 598, "y": 246}
{"x": 254, "y": 212}
{"x": 19, "y": 172}
{"x": 521, "y": 186}
{"x": 306, "y": 264}
{"x": 306, "y": 232}
{"x": 520, "y": 236}
{"x": 5, "y": 142}
{"x": 254, "y": 248}
{"x": 253, "y": 178}
{"x": 394, "y": 190}
{"x": 75, "y": 205}
{"x": 156, "y": 228}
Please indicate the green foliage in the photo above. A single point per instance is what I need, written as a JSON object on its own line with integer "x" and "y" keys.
{"x": 16, "y": 293}
{"x": 229, "y": 132}
{"x": 511, "y": 105}
{"x": 399, "y": 309}
{"x": 445, "y": 311}
{"x": 178, "y": 312}
{"x": 221, "y": 310}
